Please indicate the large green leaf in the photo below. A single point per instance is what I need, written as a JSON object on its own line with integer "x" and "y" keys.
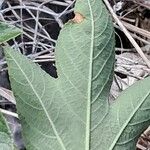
{"x": 127, "y": 117}
{"x": 6, "y": 142}
{"x": 8, "y": 32}
{"x": 72, "y": 112}
{"x": 58, "y": 114}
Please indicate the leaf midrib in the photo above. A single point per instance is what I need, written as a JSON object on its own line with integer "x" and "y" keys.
{"x": 46, "y": 112}
{"x": 88, "y": 124}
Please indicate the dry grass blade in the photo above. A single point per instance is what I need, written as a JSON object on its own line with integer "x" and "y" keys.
{"x": 136, "y": 29}
{"x": 7, "y": 94}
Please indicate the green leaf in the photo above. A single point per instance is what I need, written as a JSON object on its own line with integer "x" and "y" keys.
{"x": 58, "y": 114}
{"x": 72, "y": 112}
{"x": 8, "y": 32}
{"x": 128, "y": 117}
{"x": 6, "y": 142}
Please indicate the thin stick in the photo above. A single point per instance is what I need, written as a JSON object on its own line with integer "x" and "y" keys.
{"x": 6, "y": 112}
{"x": 126, "y": 32}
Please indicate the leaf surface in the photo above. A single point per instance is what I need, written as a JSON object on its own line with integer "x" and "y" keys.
{"x": 6, "y": 142}
{"x": 72, "y": 112}
{"x": 58, "y": 114}
{"x": 8, "y": 32}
